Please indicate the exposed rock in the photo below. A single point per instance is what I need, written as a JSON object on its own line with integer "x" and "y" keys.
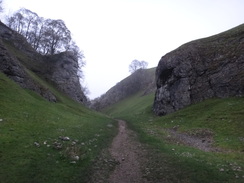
{"x": 18, "y": 40}
{"x": 62, "y": 69}
{"x": 17, "y": 57}
{"x": 57, "y": 145}
{"x": 75, "y": 158}
{"x": 201, "y": 69}
{"x": 36, "y": 144}
{"x": 109, "y": 125}
{"x": 12, "y": 67}
{"x": 64, "y": 138}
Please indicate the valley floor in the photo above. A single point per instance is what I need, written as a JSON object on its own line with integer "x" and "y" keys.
{"x": 127, "y": 157}
{"x": 129, "y": 161}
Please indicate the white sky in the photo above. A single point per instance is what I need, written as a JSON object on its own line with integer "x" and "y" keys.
{"x": 112, "y": 33}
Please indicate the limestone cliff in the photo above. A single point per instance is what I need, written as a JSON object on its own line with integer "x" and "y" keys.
{"x": 62, "y": 71}
{"x": 18, "y": 60}
{"x": 201, "y": 69}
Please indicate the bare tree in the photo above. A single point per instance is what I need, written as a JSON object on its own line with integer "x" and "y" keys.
{"x": 16, "y": 22}
{"x": 47, "y": 36}
{"x": 30, "y": 21}
{"x": 1, "y": 6}
{"x": 72, "y": 47}
{"x": 36, "y": 35}
{"x": 23, "y": 21}
{"x": 135, "y": 65}
{"x": 56, "y": 37}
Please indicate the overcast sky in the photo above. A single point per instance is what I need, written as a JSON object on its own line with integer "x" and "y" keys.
{"x": 112, "y": 33}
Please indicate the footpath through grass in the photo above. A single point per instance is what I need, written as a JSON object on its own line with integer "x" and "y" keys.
{"x": 48, "y": 142}
{"x": 172, "y": 161}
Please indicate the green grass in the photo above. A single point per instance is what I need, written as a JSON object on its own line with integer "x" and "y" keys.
{"x": 223, "y": 117}
{"x": 27, "y": 118}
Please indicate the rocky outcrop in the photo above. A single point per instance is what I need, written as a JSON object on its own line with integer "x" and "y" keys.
{"x": 201, "y": 69}
{"x": 12, "y": 67}
{"x": 18, "y": 59}
{"x": 62, "y": 70}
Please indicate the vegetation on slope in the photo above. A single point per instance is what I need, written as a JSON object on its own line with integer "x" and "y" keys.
{"x": 174, "y": 157}
{"x": 140, "y": 80}
{"x": 48, "y": 142}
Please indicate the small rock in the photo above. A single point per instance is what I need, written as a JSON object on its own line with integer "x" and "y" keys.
{"x": 73, "y": 143}
{"x": 75, "y": 158}
{"x": 1, "y": 120}
{"x": 57, "y": 145}
{"x": 221, "y": 170}
{"x": 36, "y": 144}
{"x": 73, "y": 162}
{"x": 64, "y": 138}
{"x": 109, "y": 125}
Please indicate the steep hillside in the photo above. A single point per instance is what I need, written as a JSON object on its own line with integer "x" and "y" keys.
{"x": 45, "y": 134}
{"x": 140, "y": 81}
{"x": 20, "y": 62}
{"x": 201, "y": 69}
{"x": 42, "y": 141}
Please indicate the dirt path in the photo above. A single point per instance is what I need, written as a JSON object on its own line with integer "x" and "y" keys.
{"x": 127, "y": 151}
{"x": 128, "y": 161}
{"x": 123, "y": 162}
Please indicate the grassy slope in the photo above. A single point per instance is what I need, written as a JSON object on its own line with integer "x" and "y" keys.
{"x": 225, "y": 117}
{"x": 27, "y": 118}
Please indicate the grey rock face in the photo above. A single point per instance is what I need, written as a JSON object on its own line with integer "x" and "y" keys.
{"x": 201, "y": 69}
{"x": 60, "y": 69}
{"x": 11, "y": 67}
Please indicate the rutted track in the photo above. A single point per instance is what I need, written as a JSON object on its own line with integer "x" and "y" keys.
{"x": 127, "y": 151}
